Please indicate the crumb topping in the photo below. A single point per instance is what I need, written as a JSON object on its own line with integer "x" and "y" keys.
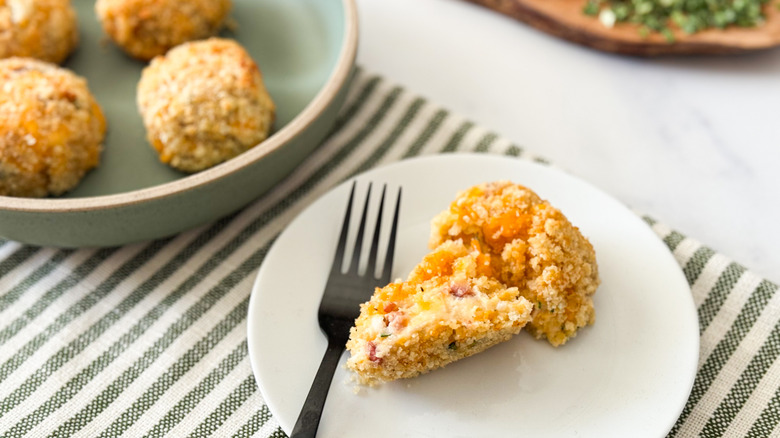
{"x": 204, "y": 103}
{"x": 51, "y": 128}
{"x": 148, "y": 28}
{"x": 530, "y": 245}
{"x": 42, "y": 29}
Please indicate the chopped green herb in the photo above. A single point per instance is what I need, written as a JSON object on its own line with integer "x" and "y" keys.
{"x": 591, "y": 8}
{"x": 689, "y": 16}
{"x": 452, "y": 346}
{"x": 667, "y": 34}
{"x": 384, "y": 335}
{"x": 539, "y": 303}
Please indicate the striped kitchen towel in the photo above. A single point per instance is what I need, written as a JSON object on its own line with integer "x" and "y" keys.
{"x": 150, "y": 339}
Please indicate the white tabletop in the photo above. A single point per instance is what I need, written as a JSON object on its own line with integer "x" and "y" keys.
{"x": 693, "y": 142}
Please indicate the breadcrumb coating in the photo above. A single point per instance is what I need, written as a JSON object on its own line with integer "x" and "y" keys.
{"x": 533, "y": 247}
{"x": 449, "y": 308}
{"x": 148, "y": 28}
{"x": 51, "y": 128}
{"x": 203, "y": 103}
{"x": 42, "y": 29}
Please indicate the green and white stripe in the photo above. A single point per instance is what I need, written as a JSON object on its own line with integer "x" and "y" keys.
{"x": 738, "y": 316}
{"x": 150, "y": 339}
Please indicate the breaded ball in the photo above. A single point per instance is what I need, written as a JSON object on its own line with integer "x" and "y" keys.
{"x": 533, "y": 247}
{"x": 147, "y": 28}
{"x": 449, "y": 308}
{"x": 204, "y": 103}
{"x": 42, "y": 29}
{"x": 51, "y": 128}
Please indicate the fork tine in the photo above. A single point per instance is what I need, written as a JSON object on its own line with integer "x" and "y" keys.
{"x": 342, "y": 245}
{"x": 355, "y": 264}
{"x": 371, "y": 268}
{"x": 387, "y": 269}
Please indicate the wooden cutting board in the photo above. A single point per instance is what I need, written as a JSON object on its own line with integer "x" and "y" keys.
{"x": 565, "y": 19}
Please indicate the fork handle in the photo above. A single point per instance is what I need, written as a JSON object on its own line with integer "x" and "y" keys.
{"x": 309, "y": 418}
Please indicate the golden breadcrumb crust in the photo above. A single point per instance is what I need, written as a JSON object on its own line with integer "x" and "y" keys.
{"x": 148, "y": 28}
{"x": 532, "y": 247}
{"x": 203, "y": 103}
{"x": 449, "y": 308}
{"x": 51, "y": 128}
{"x": 42, "y": 29}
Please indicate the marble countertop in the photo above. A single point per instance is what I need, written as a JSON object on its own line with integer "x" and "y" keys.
{"x": 693, "y": 142}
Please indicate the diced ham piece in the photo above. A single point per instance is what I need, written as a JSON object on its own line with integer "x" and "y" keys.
{"x": 397, "y": 320}
{"x": 372, "y": 353}
{"x": 389, "y": 307}
{"x": 461, "y": 290}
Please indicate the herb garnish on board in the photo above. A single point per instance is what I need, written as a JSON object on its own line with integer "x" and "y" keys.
{"x": 690, "y": 16}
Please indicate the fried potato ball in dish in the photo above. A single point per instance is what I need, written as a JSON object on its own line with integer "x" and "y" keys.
{"x": 203, "y": 103}
{"x": 148, "y": 28}
{"x": 51, "y": 128}
{"x": 42, "y": 29}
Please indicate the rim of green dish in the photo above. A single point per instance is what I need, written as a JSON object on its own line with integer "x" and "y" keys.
{"x": 311, "y": 112}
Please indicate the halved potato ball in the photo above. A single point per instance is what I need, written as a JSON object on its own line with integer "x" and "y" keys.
{"x": 51, "y": 128}
{"x": 204, "y": 103}
{"x": 147, "y": 28}
{"x": 42, "y": 29}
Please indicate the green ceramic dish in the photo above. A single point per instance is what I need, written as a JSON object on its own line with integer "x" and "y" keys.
{"x": 306, "y": 51}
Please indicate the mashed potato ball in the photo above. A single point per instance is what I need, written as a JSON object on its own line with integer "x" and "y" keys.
{"x": 51, "y": 128}
{"x": 533, "y": 247}
{"x": 43, "y": 29}
{"x": 204, "y": 103}
{"x": 147, "y": 28}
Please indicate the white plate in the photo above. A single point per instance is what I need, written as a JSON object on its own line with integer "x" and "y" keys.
{"x": 628, "y": 375}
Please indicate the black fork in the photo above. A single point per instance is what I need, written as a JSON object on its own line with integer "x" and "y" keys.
{"x": 340, "y": 305}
